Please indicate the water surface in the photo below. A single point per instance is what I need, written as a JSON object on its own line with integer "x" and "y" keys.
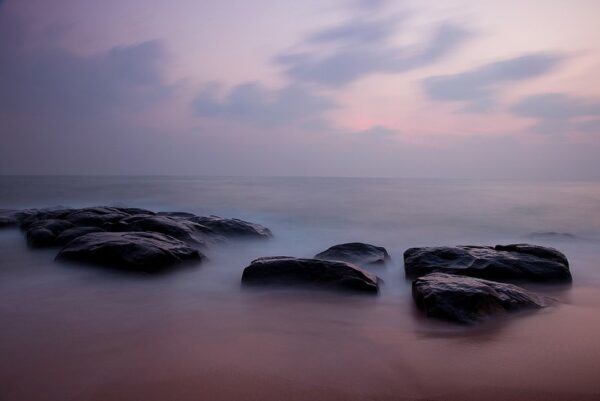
{"x": 80, "y": 333}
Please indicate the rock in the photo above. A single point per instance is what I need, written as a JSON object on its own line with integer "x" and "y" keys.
{"x": 95, "y": 217}
{"x": 356, "y": 252}
{"x": 43, "y": 233}
{"x": 468, "y": 300}
{"x": 284, "y": 270}
{"x": 181, "y": 229}
{"x": 89, "y": 216}
{"x": 502, "y": 262}
{"x": 133, "y": 210}
{"x": 33, "y": 216}
{"x": 232, "y": 227}
{"x": 137, "y": 251}
{"x": 177, "y": 214}
{"x": 71, "y": 233}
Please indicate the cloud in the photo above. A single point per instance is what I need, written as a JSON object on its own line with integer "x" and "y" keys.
{"x": 478, "y": 89}
{"x": 356, "y": 32}
{"x": 340, "y": 55}
{"x": 55, "y": 80}
{"x": 560, "y": 113}
{"x": 378, "y": 132}
{"x": 66, "y": 112}
{"x": 252, "y": 102}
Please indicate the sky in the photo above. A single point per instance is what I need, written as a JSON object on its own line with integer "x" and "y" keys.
{"x": 480, "y": 89}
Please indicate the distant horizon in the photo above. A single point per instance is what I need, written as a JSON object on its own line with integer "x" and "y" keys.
{"x": 501, "y": 179}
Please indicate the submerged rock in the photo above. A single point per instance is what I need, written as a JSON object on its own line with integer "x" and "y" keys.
{"x": 356, "y": 252}
{"x": 289, "y": 271}
{"x": 148, "y": 252}
{"x": 232, "y": 227}
{"x": 509, "y": 262}
{"x": 8, "y": 218}
{"x": 468, "y": 300}
{"x": 552, "y": 235}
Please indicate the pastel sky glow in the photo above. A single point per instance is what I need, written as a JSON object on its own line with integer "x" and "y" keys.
{"x": 458, "y": 89}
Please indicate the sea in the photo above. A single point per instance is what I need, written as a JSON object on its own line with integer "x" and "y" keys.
{"x": 75, "y": 332}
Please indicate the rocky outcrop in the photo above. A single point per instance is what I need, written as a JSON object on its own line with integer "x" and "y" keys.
{"x": 468, "y": 300}
{"x": 289, "y": 271}
{"x": 502, "y": 262}
{"x": 356, "y": 252}
{"x": 70, "y": 234}
{"x": 232, "y": 227}
{"x": 181, "y": 225}
{"x": 43, "y": 233}
{"x": 179, "y": 228}
{"x": 137, "y": 251}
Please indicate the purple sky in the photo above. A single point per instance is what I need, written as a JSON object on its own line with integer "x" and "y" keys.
{"x": 422, "y": 88}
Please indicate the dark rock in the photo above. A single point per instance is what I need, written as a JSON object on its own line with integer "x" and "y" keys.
{"x": 232, "y": 227}
{"x": 357, "y": 253}
{"x": 133, "y": 210}
{"x": 89, "y": 216}
{"x": 43, "y": 233}
{"x": 181, "y": 229}
{"x": 503, "y": 262}
{"x": 33, "y": 216}
{"x": 284, "y": 270}
{"x": 95, "y": 217}
{"x": 467, "y": 300}
{"x": 148, "y": 252}
{"x": 71, "y": 233}
{"x": 177, "y": 214}
{"x": 40, "y": 237}
{"x": 535, "y": 250}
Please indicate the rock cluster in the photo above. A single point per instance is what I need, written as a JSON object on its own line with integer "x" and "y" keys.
{"x": 448, "y": 280}
{"x": 127, "y": 238}
{"x": 451, "y": 283}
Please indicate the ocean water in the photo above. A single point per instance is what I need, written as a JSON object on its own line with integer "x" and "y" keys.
{"x": 81, "y": 333}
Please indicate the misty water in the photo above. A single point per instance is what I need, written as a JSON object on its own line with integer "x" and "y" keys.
{"x": 73, "y": 332}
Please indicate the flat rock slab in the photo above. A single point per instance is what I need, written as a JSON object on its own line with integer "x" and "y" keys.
{"x": 289, "y": 271}
{"x": 502, "y": 262}
{"x": 466, "y": 300}
{"x": 137, "y": 251}
{"x": 356, "y": 252}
